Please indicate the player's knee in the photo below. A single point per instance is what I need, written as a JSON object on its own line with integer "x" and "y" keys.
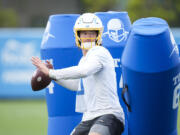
{"x": 94, "y": 133}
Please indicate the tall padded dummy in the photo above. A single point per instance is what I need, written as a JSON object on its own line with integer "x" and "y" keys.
{"x": 151, "y": 76}
{"x": 116, "y": 31}
{"x": 58, "y": 46}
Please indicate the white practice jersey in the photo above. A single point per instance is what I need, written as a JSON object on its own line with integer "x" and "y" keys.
{"x": 97, "y": 89}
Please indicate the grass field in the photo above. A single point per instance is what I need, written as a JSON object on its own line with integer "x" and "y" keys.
{"x": 27, "y": 117}
{"x": 23, "y": 117}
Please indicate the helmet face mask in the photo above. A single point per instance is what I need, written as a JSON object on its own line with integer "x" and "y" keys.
{"x": 88, "y": 22}
{"x": 87, "y": 45}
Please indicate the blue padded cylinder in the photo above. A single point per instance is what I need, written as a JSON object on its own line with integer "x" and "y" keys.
{"x": 58, "y": 46}
{"x": 150, "y": 67}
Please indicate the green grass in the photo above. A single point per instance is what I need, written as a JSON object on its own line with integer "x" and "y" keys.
{"x": 27, "y": 117}
{"x": 178, "y": 122}
{"x": 23, "y": 117}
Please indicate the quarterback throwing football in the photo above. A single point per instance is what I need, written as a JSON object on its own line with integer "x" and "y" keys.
{"x": 94, "y": 79}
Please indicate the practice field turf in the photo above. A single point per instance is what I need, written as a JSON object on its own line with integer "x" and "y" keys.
{"x": 23, "y": 117}
{"x": 27, "y": 117}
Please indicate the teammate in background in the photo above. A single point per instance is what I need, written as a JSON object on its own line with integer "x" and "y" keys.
{"x": 94, "y": 79}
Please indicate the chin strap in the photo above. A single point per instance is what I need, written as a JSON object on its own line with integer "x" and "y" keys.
{"x": 87, "y": 45}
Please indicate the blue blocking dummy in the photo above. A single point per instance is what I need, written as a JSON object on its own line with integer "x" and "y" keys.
{"x": 116, "y": 31}
{"x": 58, "y": 46}
{"x": 150, "y": 68}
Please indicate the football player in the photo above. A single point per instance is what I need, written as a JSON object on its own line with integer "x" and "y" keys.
{"x": 94, "y": 79}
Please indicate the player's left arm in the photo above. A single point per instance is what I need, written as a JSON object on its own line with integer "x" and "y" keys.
{"x": 71, "y": 84}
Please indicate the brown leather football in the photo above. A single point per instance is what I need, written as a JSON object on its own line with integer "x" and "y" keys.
{"x": 39, "y": 80}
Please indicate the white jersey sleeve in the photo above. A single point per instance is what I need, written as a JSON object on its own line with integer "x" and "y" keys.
{"x": 71, "y": 84}
{"x": 89, "y": 67}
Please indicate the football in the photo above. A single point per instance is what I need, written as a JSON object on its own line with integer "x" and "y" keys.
{"x": 39, "y": 80}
